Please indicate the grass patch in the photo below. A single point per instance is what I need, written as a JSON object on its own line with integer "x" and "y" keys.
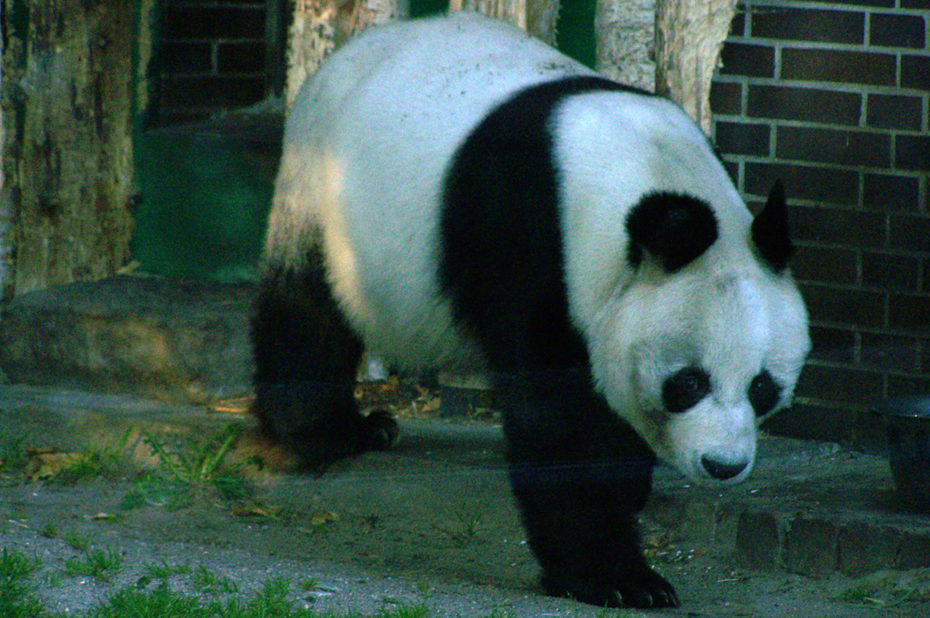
{"x": 270, "y": 602}
{"x": 12, "y": 453}
{"x": 97, "y": 563}
{"x": 107, "y": 460}
{"x": 465, "y": 526}
{"x": 888, "y": 588}
{"x": 166, "y": 570}
{"x": 418, "y": 610}
{"x": 17, "y": 599}
{"x": 209, "y": 583}
{"x": 16, "y": 592}
{"x": 197, "y": 467}
{"x": 77, "y": 541}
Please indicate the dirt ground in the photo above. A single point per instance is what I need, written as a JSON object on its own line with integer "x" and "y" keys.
{"x": 431, "y": 522}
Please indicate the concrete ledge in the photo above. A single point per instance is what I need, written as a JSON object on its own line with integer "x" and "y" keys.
{"x": 176, "y": 340}
{"x": 809, "y": 508}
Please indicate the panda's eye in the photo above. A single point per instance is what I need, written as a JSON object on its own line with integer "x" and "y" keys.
{"x": 684, "y": 389}
{"x": 764, "y": 393}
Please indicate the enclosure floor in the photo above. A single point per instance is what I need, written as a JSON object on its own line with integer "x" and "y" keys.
{"x": 814, "y": 531}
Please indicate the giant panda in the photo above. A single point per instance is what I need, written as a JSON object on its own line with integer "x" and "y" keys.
{"x": 456, "y": 195}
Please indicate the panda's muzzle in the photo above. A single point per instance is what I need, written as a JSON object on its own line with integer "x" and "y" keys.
{"x": 722, "y": 469}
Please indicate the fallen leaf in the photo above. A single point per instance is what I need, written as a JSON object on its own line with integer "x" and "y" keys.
{"x": 323, "y": 517}
{"x": 257, "y": 509}
{"x": 430, "y": 405}
{"x": 49, "y": 463}
{"x": 235, "y": 405}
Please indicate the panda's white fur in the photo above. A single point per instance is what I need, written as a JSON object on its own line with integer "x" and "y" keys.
{"x": 366, "y": 150}
{"x": 378, "y": 199}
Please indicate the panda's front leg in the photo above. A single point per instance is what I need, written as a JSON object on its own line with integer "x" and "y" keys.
{"x": 580, "y": 475}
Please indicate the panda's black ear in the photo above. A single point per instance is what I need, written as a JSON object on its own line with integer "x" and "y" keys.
{"x": 770, "y": 230}
{"x": 673, "y": 228}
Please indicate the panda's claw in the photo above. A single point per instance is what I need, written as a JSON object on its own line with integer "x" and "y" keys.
{"x": 642, "y": 590}
{"x": 647, "y": 589}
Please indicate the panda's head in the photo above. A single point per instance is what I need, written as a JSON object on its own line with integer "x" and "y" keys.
{"x": 702, "y": 343}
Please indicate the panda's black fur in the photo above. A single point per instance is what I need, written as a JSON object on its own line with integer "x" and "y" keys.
{"x": 500, "y": 273}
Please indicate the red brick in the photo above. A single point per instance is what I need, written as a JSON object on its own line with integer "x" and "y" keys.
{"x": 840, "y": 226}
{"x": 890, "y": 271}
{"x": 915, "y": 72}
{"x": 908, "y": 386}
{"x": 223, "y": 22}
{"x": 808, "y": 104}
{"x": 909, "y": 233}
{"x": 817, "y": 25}
{"x": 749, "y": 60}
{"x": 891, "y": 192}
{"x": 912, "y": 152}
{"x": 866, "y": 548}
{"x": 805, "y": 182}
{"x": 848, "y": 67}
{"x": 909, "y": 312}
{"x": 844, "y": 306}
{"x": 888, "y": 352}
{"x": 835, "y": 345}
{"x": 810, "y": 547}
{"x": 840, "y": 384}
{"x": 833, "y": 146}
{"x": 726, "y": 98}
{"x": 825, "y": 264}
{"x": 757, "y": 541}
{"x": 890, "y": 30}
{"x": 890, "y": 111}
{"x": 742, "y": 138}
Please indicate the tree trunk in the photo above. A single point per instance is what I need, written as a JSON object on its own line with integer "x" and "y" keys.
{"x": 320, "y": 26}
{"x": 538, "y": 17}
{"x": 6, "y": 218}
{"x": 512, "y": 11}
{"x": 689, "y": 35}
{"x": 67, "y": 154}
{"x": 625, "y": 33}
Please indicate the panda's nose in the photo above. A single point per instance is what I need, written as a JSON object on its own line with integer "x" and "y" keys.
{"x": 722, "y": 470}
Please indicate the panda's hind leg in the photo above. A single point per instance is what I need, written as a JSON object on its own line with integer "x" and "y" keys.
{"x": 306, "y": 359}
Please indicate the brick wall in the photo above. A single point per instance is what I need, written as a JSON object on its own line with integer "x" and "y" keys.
{"x": 211, "y": 57}
{"x": 834, "y": 98}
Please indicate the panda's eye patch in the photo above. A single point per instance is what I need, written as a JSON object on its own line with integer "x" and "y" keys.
{"x": 684, "y": 389}
{"x": 764, "y": 393}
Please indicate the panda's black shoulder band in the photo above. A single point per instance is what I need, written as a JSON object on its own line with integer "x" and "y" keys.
{"x": 672, "y": 227}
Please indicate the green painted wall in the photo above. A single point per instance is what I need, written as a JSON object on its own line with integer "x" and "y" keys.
{"x": 205, "y": 198}
{"x": 206, "y": 190}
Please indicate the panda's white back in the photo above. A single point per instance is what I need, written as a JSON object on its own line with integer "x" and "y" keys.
{"x": 369, "y": 142}
{"x": 366, "y": 148}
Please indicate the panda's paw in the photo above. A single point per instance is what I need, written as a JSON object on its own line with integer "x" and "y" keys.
{"x": 646, "y": 588}
{"x": 382, "y": 430}
{"x": 643, "y": 589}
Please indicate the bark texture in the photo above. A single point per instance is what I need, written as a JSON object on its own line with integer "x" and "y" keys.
{"x": 538, "y": 17}
{"x": 320, "y": 26}
{"x": 625, "y": 33}
{"x": 689, "y": 35}
{"x": 67, "y": 152}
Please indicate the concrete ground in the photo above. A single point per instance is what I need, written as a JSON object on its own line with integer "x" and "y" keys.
{"x": 815, "y": 531}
